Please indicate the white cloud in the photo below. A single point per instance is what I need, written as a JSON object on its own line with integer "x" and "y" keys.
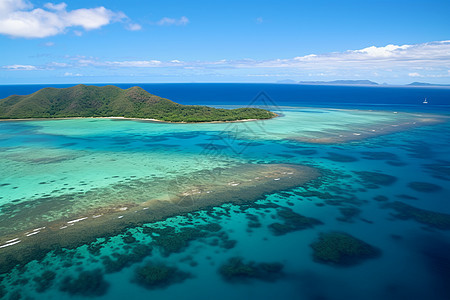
{"x": 68, "y": 74}
{"x": 57, "y": 7}
{"x": 170, "y": 21}
{"x": 21, "y": 67}
{"x": 19, "y": 19}
{"x": 426, "y": 60}
{"x": 133, "y": 27}
{"x": 259, "y": 20}
{"x": 414, "y": 74}
{"x": 132, "y": 64}
{"x": 430, "y": 56}
{"x": 49, "y": 44}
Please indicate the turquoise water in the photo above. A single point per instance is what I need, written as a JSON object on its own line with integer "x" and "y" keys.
{"x": 123, "y": 163}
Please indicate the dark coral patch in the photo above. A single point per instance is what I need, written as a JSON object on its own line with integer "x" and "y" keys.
{"x": 376, "y": 178}
{"x": 440, "y": 169}
{"x": 173, "y": 241}
{"x": 379, "y": 155}
{"x": 427, "y": 217}
{"x": 154, "y": 276}
{"x": 340, "y": 157}
{"x": 44, "y": 281}
{"x": 424, "y": 187}
{"x": 119, "y": 261}
{"x": 348, "y": 214}
{"x": 88, "y": 283}
{"x": 381, "y": 198}
{"x": 235, "y": 270}
{"x": 305, "y": 152}
{"x": 342, "y": 249}
{"x": 292, "y": 221}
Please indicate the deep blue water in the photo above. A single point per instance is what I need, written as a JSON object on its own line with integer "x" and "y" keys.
{"x": 279, "y": 94}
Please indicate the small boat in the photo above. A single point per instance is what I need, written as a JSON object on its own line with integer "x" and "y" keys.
{"x": 425, "y": 101}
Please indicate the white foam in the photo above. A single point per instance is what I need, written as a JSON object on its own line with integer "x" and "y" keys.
{"x": 119, "y": 217}
{"x": 13, "y": 240}
{"x": 97, "y": 216}
{"x": 10, "y": 244}
{"x": 63, "y": 227}
{"x": 123, "y": 208}
{"x": 77, "y": 220}
{"x": 276, "y": 178}
{"x": 32, "y": 233}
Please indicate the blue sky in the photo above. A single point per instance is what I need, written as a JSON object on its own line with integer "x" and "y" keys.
{"x": 223, "y": 41}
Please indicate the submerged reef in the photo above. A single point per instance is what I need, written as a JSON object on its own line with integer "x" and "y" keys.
{"x": 153, "y": 276}
{"x": 120, "y": 261}
{"x": 424, "y": 187}
{"x": 427, "y": 217}
{"x": 340, "y": 157}
{"x": 44, "y": 281}
{"x": 348, "y": 214}
{"x": 93, "y": 218}
{"x": 292, "y": 222}
{"x": 440, "y": 169}
{"x": 237, "y": 271}
{"x": 2, "y": 291}
{"x": 379, "y": 155}
{"x": 374, "y": 179}
{"x": 342, "y": 249}
{"x": 171, "y": 240}
{"x": 88, "y": 283}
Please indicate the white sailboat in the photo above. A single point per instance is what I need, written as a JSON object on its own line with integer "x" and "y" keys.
{"x": 425, "y": 101}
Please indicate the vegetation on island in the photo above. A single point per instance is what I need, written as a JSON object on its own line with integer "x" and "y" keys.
{"x": 112, "y": 101}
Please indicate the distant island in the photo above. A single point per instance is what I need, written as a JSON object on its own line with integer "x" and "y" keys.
{"x": 426, "y": 84}
{"x": 111, "y": 101}
{"x": 341, "y": 82}
{"x": 359, "y": 83}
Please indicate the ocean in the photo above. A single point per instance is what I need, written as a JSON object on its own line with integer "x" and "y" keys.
{"x": 344, "y": 196}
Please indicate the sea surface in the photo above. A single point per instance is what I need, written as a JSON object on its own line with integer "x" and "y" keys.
{"x": 382, "y": 199}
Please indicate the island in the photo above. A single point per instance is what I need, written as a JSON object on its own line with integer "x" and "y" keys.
{"x": 110, "y": 101}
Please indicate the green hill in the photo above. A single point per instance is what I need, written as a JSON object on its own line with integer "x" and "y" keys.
{"x": 111, "y": 101}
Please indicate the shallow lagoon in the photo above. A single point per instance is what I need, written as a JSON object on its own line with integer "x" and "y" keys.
{"x": 47, "y": 159}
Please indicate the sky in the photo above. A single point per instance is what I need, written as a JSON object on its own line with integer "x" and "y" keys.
{"x": 144, "y": 41}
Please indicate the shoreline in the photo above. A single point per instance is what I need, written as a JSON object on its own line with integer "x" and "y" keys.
{"x": 136, "y": 119}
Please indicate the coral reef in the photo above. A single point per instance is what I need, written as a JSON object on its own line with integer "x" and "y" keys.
{"x": 379, "y": 155}
{"x": 340, "y": 157}
{"x": 440, "y": 169}
{"x": 342, "y": 249}
{"x": 237, "y": 271}
{"x": 427, "y": 217}
{"x": 348, "y": 214}
{"x": 374, "y": 179}
{"x": 173, "y": 241}
{"x": 153, "y": 276}
{"x": 44, "y": 281}
{"x": 292, "y": 222}
{"x": 381, "y": 198}
{"x": 424, "y": 187}
{"x": 121, "y": 261}
{"x": 88, "y": 283}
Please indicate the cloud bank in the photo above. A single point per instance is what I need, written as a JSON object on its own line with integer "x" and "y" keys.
{"x": 418, "y": 56}
{"x": 18, "y": 18}
{"x": 430, "y": 60}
